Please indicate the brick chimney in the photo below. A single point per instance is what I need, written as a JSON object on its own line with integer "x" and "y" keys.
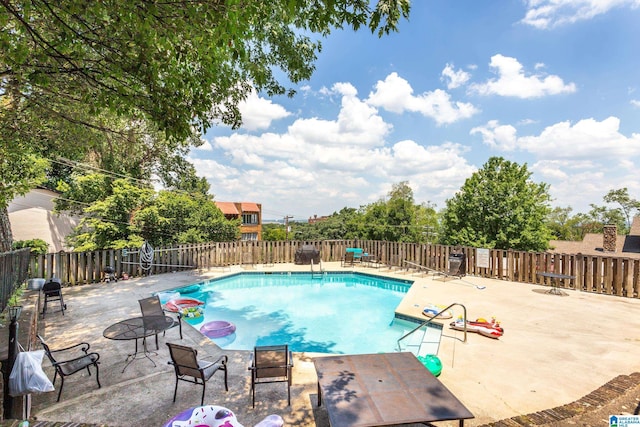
{"x": 609, "y": 238}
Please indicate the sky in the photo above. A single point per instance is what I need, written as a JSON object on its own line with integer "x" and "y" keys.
{"x": 554, "y": 84}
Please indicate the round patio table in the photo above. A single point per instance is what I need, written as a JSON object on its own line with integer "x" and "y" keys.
{"x": 138, "y": 328}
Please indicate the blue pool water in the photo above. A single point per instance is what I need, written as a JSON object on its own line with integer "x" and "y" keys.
{"x": 349, "y": 313}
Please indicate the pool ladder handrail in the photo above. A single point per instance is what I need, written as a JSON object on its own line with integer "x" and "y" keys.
{"x": 426, "y": 322}
{"x": 321, "y": 271}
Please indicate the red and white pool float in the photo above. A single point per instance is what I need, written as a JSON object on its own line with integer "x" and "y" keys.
{"x": 177, "y": 304}
{"x": 218, "y": 328}
{"x": 480, "y": 326}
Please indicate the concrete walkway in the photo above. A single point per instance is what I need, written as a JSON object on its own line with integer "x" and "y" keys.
{"x": 556, "y": 349}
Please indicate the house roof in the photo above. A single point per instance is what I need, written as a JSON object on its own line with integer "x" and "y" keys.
{"x": 249, "y": 207}
{"x": 228, "y": 208}
{"x": 591, "y": 244}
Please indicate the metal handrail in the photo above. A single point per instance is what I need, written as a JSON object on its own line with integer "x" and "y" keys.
{"x": 319, "y": 267}
{"x": 426, "y": 322}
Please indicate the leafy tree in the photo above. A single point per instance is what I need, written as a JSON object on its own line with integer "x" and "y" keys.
{"x": 498, "y": 207}
{"x": 178, "y": 217}
{"x": 627, "y": 204}
{"x": 123, "y": 214}
{"x": 399, "y": 219}
{"x": 107, "y": 221}
{"x": 347, "y": 223}
{"x": 77, "y": 68}
{"x": 563, "y": 225}
{"x": 273, "y": 232}
{"x": 38, "y": 246}
{"x": 427, "y": 222}
{"x": 595, "y": 220}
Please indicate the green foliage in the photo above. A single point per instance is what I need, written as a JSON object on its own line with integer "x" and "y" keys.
{"x": 399, "y": 219}
{"x": 122, "y": 214}
{"x": 273, "y": 232}
{"x": 130, "y": 85}
{"x": 396, "y": 219}
{"x": 599, "y": 216}
{"x": 498, "y": 207}
{"x": 564, "y": 226}
{"x": 627, "y": 204}
{"x": 178, "y": 217}
{"x": 38, "y": 246}
{"x": 179, "y": 63}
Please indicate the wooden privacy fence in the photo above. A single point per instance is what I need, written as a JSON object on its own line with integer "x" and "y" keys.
{"x": 599, "y": 274}
{"x": 14, "y": 268}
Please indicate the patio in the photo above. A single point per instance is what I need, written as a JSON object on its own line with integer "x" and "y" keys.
{"x": 555, "y": 351}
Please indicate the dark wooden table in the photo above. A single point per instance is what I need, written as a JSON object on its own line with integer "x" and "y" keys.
{"x": 383, "y": 389}
{"x": 554, "y": 277}
{"x": 138, "y": 328}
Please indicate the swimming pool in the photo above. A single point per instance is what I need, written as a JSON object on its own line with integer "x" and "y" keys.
{"x": 345, "y": 313}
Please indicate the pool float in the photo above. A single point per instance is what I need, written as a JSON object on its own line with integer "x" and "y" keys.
{"x": 193, "y": 315}
{"x": 190, "y": 289}
{"x": 432, "y": 363}
{"x": 218, "y": 328}
{"x": 216, "y": 416}
{"x": 167, "y": 296}
{"x": 480, "y": 326}
{"x": 431, "y": 310}
{"x": 176, "y": 304}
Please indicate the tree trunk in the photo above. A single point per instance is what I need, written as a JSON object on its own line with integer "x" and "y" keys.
{"x": 6, "y": 238}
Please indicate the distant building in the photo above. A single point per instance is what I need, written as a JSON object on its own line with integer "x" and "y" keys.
{"x": 606, "y": 243}
{"x": 317, "y": 218}
{"x": 31, "y": 217}
{"x": 251, "y": 215}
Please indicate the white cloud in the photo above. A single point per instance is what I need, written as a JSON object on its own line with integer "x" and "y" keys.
{"x": 635, "y": 102}
{"x": 258, "y": 113}
{"x": 545, "y": 14}
{"x": 588, "y": 138}
{"x": 453, "y": 78}
{"x": 395, "y": 94}
{"x": 512, "y": 81}
{"x": 501, "y": 137}
{"x": 323, "y": 165}
{"x": 205, "y": 146}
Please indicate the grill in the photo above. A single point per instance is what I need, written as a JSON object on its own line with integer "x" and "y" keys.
{"x": 457, "y": 264}
{"x": 306, "y": 254}
{"x": 110, "y": 274}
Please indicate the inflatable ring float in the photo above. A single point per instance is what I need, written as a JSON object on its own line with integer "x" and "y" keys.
{"x": 216, "y": 416}
{"x": 432, "y": 363}
{"x": 218, "y": 328}
{"x": 190, "y": 289}
{"x": 192, "y": 315}
{"x": 431, "y": 310}
{"x": 176, "y": 304}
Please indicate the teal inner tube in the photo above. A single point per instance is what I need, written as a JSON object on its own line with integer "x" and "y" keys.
{"x": 432, "y": 363}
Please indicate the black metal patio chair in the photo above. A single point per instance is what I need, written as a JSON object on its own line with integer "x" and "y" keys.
{"x": 67, "y": 362}
{"x": 188, "y": 368}
{"x": 271, "y": 364}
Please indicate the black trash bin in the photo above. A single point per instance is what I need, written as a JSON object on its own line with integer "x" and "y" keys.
{"x": 457, "y": 264}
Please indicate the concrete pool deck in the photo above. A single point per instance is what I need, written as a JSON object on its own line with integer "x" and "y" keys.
{"x": 555, "y": 350}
